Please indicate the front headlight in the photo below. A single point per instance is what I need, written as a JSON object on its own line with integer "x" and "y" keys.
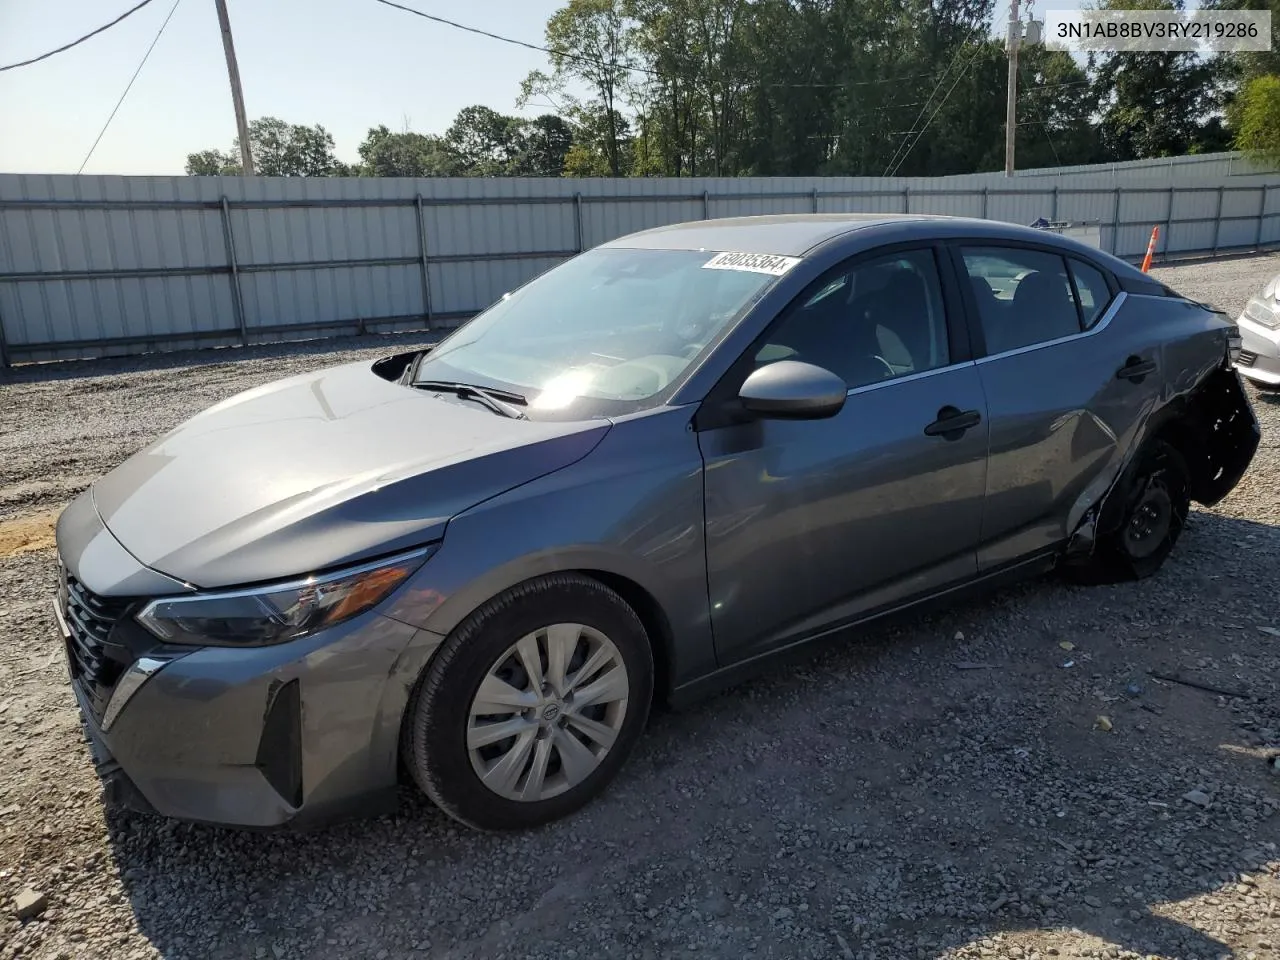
{"x": 1261, "y": 312}
{"x": 279, "y": 612}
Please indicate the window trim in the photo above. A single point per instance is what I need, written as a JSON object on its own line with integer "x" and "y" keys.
{"x": 717, "y": 408}
{"x": 1104, "y": 321}
{"x": 1107, "y": 278}
{"x": 714, "y": 411}
{"x": 977, "y": 337}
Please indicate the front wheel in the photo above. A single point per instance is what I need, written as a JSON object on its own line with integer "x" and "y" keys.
{"x": 1157, "y": 501}
{"x": 532, "y": 705}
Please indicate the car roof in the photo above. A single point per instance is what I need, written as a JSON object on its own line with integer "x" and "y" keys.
{"x": 789, "y": 235}
{"x": 795, "y": 235}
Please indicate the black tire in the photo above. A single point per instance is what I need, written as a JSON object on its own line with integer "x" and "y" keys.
{"x": 434, "y": 743}
{"x": 1157, "y": 499}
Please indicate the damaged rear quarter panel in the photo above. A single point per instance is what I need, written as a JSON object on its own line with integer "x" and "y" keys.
{"x": 1203, "y": 411}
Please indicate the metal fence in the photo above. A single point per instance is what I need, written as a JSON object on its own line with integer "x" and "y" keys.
{"x": 93, "y": 266}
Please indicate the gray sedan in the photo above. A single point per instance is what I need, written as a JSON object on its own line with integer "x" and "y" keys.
{"x": 636, "y": 478}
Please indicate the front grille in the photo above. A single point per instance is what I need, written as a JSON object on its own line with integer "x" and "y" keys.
{"x": 90, "y": 655}
{"x": 1247, "y": 358}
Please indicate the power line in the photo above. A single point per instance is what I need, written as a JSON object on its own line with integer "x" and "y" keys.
{"x": 130, "y": 85}
{"x": 46, "y": 56}
{"x": 518, "y": 43}
{"x": 895, "y": 163}
{"x": 631, "y": 68}
{"x": 977, "y": 48}
{"x": 1048, "y": 136}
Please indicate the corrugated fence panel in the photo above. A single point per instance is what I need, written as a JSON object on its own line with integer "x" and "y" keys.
{"x": 888, "y": 202}
{"x": 93, "y": 265}
{"x": 466, "y": 287}
{"x": 490, "y": 229}
{"x": 1020, "y": 208}
{"x": 603, "y": 221}
{"x": 748, "y": 206}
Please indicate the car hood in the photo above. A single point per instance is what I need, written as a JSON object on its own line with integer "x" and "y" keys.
{"x": 319, "y": 470}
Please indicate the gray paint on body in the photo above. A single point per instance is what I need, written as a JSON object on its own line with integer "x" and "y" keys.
{"x": 735, "y": 539}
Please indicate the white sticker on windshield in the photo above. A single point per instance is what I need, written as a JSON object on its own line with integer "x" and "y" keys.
{"x": 753, "y": 262}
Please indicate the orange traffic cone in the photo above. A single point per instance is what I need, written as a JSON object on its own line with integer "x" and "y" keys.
{"x": 1151, "y": 248}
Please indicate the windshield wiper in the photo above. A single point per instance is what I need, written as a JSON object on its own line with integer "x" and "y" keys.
{"x": 495, "y": 400}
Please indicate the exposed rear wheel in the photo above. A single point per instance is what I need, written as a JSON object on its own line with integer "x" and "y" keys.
{"x": 532, "y": 704}
{"x": 1157, "y": 500}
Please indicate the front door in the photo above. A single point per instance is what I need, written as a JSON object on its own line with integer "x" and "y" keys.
{"x": 813, "y": 523}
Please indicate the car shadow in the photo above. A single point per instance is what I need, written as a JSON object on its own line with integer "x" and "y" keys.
{"x": 944, "y": 781}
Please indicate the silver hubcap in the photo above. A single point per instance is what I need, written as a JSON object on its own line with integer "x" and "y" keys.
{"x": 547, "y": 712}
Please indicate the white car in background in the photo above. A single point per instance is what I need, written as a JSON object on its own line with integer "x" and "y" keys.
{"x": 1259, "y": 325}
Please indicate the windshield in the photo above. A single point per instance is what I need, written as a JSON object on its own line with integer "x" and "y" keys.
{"x": 603, "y": 334}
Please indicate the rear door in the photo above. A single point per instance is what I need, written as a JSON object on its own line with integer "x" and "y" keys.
{"x": 1067, "y": 389}
{"x": 813, "y": 523}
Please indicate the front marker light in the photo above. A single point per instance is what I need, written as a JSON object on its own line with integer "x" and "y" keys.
{"x": 280, "y": 612}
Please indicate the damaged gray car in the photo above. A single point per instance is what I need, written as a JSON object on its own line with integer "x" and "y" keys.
{"x": 637, "y": 478}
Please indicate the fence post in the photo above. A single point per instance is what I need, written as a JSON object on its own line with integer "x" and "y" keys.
{"x": 1217, "y": 222}
{"x": 1054, "y": 209}
{"x": 577, "y": 221}
{"x": 237, "y": 303}
{"x": 1168, "y": 220}
{"x": 420, "y": 215}
{"x": 706, "y": 205}
{"x": 1115, "y": 224}
{"x": 984, "y": 202}
{"x": 813, "y": 199}
{"x": 1262, "y": 215}
{"x": 4, "y": 353}
{"x": 906, "y": 199}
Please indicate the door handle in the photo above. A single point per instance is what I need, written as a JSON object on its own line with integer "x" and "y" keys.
{"x": 1135, "y": 369}
{"x": 952, "y": 423}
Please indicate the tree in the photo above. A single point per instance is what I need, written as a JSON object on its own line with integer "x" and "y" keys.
{"x": 545, "y": 142}
{"x": 486, "y": 143}
{"x": 1158, "y": 104}
{"x": 387, "y": 154}
{"x": 212, "y": 163}
{"x": 592, "y": 136}
{"x": 590, "y": 43}
{"x": 279, "y": 150}
{"x": 1258, "y": 132}
{"x": 289, "y": 150}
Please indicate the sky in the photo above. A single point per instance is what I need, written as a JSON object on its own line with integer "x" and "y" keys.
{"x": 346, "y": 64}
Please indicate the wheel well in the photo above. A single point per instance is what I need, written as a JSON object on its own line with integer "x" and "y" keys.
{"x": 1184, "y": 431}
{"x": 655, "y": 624}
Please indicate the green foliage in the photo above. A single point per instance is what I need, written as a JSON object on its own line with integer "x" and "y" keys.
{"x": 1158, "y": 104}
{"x": 387, "y": 154}
{"x": 1259, "y": 131}
{"x": 212, "y": 163}
{"x": 803, "y": 88}
{"x": 289, "y": 150}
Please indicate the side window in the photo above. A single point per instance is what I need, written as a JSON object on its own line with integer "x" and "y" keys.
{"x": 1091, "y": 286}
{"x": 1024, "y": 296}
{"x": 867, "y": 321}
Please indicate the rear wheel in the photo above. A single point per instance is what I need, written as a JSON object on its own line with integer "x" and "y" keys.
{"x": 1157, "y": 501}
{"x": 532, "y": 705}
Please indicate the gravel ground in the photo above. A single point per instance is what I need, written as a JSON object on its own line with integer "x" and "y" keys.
{"x": 873, "y": 800}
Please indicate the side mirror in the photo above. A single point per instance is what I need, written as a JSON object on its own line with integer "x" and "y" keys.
{"x": 792, "y": 390}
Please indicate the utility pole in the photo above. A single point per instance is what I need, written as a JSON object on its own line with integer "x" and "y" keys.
{"x": 237, "y": 95}
{"x": 1010, "y": 111}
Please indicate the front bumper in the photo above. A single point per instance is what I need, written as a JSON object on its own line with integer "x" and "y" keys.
{"x": 301, "y": 734}
{"x": 1259, "y": 352}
